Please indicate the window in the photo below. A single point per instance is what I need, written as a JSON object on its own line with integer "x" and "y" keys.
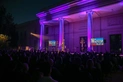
{"x": 116, "y": 43}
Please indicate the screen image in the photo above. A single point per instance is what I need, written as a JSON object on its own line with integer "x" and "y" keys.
{"x": 52, "y": 43}
{"x": 97, "y": 41}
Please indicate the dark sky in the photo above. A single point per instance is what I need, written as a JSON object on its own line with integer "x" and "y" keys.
{"x": 25, "y": 10}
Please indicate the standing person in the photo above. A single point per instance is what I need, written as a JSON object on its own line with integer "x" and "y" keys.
{"x": 46, "y": 70}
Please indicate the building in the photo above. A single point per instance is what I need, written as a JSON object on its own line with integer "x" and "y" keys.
{"x": 74, "y": 24}
{"x": 71, "y": 26}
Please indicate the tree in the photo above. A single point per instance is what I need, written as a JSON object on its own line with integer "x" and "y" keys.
{"x": 3, "y": 41}
{"x": 7, "y": 27}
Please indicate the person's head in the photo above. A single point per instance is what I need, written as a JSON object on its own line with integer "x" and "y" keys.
{"x": 25, "y": 67}
{"x": 51, "y": 62}
{"x": 46, "y": 68}
{"x": 90, "y": 63}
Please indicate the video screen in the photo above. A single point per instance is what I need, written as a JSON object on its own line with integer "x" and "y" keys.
{"x": 97, "y": 41}
{"x": 52, "y": 43}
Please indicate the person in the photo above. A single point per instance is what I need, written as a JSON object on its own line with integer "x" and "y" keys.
{"x": 46, "y": 70}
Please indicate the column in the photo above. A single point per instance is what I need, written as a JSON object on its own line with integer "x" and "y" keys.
{"x": 61, "y": 34}
{"x": 89, "y": 29}
{"x": 41, "y": 34}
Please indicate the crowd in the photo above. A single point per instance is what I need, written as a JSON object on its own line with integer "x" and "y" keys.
{"x": 53, "y": 66}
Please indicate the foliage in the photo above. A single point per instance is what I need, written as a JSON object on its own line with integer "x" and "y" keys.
{"x": 3, "y": 40}
{"x": 7, "y": 26}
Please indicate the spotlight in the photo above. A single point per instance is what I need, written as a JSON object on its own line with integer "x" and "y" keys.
{"x": 36, "y": 35}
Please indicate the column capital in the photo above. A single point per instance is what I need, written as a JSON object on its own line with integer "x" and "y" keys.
{"x": 60, "y": 18}
{"x": 89, "y": 12}
{"x": 41, "y": 22}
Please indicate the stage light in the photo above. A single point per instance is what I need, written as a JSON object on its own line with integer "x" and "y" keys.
{"x": 36, "y": 35}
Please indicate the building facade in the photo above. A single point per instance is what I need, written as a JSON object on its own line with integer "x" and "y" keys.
{"x": 74, "y": 24}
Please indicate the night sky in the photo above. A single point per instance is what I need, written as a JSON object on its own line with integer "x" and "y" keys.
{"x": 25, "y": 10}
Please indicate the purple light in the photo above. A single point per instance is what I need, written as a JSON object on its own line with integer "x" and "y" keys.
{"x": 61, "y": 31}
{"x": 89, "y": 29}
{"x": 58, "y": 9}
{"x": 81, "y": 2}
{"x": 56, "y": 17}
{"x": 68, "y": 5}
{"x": 41, "y": 34}
{"x": 41, "y": 14}
{"x": 61, "y": 7}
{"x": 121, "y": 3}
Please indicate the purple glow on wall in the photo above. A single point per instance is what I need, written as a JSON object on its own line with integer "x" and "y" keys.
{"x": 42, "y": 14}
{"x": 68, "y": 5}
{"x": 83, "y": 13}
{"x": 58, "y": 9}
{"x": 61, "y": 32}
{"x": 89, "y": 29}
{"x": 56, "y": 19}
{"x": 61, "y": 7}
{"x": 95, "y": 9}
{"x": 121, "y": 3}
{"x": 41, "y": 35}
{"x": 83, "y": 2}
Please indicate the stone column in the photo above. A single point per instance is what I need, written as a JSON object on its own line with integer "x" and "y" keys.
{"x": 61, "y": 34}
{"x": 89, "y": 29}
{"x": 41, "y": 35}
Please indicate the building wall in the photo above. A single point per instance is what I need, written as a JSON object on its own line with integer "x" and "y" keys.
{"x": 25, "y": 38}
{"x": 102, "y": 27}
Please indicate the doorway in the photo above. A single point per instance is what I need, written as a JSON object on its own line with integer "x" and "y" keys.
{"x": 116, "y": 43}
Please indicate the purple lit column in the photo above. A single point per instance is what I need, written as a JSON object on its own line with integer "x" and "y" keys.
{"x": 89, "y": 29}
{"x": 41, "y": 34}
{"x": 61, "y": 34}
